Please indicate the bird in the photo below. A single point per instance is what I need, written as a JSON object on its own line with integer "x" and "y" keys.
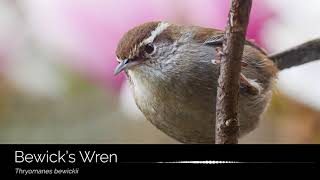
{"x": 173, "y": 71}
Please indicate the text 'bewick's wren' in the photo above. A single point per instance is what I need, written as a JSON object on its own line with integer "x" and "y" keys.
{"x": 173, "y": 72}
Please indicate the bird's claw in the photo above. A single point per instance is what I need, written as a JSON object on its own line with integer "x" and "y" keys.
{"x": 251, "y": 86}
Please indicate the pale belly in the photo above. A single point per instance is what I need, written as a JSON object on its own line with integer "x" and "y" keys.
{"x": 187, "y": 113}
{"x": 189, "y": 125}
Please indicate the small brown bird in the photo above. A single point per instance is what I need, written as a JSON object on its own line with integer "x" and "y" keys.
{"x": 173, "y": 72}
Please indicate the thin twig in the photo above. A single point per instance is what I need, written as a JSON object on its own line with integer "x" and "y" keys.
{"x": 227, "y": 124}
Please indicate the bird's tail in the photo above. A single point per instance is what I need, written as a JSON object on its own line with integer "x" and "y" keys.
{"x": 301, "y": 54}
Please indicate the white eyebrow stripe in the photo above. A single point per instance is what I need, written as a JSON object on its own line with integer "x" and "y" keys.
{"x": 160, "y": 28}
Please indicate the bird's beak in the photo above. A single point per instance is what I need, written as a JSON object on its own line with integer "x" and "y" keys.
{"x": 121, "y": 66}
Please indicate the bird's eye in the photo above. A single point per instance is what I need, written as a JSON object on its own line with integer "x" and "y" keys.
{"x": 149, "y": 48}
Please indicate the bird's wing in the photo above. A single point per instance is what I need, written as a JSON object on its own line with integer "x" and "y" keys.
{"x": 215, "y": 37}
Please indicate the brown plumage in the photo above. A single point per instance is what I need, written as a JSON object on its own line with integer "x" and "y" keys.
{"x": 133, "y": 38}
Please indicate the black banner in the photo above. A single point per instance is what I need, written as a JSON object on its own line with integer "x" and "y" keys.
{"x": 74, "y": 160}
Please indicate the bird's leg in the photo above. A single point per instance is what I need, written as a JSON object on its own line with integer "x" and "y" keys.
{"x": 247, "y": 85}
{"x": 217, "y": 60}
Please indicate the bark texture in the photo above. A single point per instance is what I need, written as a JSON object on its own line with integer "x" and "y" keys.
{"x": 227, "y": 124}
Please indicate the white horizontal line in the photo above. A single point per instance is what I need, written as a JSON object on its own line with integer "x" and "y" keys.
{"x": 201, "y": 162}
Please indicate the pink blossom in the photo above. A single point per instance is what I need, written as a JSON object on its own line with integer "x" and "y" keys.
{"x": 88, "y": 31}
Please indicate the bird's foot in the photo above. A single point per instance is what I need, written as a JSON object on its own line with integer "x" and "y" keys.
{"x": 250, "y": 86}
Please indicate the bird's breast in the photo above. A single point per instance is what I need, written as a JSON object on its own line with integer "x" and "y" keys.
{"x": 171, "y": 110}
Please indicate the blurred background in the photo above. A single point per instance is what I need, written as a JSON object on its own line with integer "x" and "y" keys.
{"x": 57, "y": 59}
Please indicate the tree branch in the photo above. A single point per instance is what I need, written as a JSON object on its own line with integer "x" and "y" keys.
{"x": 227, "y": 124}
